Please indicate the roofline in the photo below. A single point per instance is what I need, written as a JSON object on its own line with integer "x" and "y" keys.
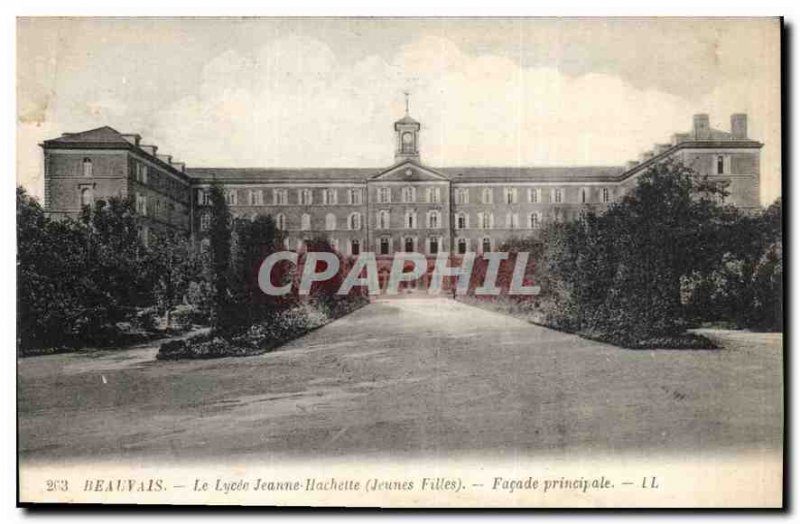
{"x": 689, "y": 144}
{"x": 54, "y": 144}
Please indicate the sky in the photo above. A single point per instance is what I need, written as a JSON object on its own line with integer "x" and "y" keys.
{"x": 324, "y": 92}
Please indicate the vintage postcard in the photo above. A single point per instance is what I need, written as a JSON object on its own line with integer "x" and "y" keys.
{"x": 400, "y": 262}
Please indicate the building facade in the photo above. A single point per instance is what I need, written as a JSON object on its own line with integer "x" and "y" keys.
{"x": 408, "y": 206}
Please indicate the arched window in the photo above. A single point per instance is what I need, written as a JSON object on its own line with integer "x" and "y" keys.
{"x": 384, "y": 246}
{"x": 354, "y": 222}
{"x": 462, "y": 246}
{"x": 461, "y": 221}
{"x": 535, "y": 196}
{"x": 230, "y": 197}
{"x": 330, "y": 221}
{"x": 487, "y": 195}
{"x": 409, "y": 245}
{"x": 411, "y": 220}
{"x": 486, "y": 244}
{"x": 535, "y": 221}
{"x": 355, "y": 247}
{"x": 606, "y": 196}
{"x": 433, "y": 245}
{"x": 304, "y": 197}
{"x": 433, "y": 220}
{"x": 584, "y": 195}
{"x": 462, "y": 196}
{"x": 557, "y": 196}
{"x": 280, "y": 221}
{"x": 720, "y": 165}
{"x": 329, "y": 196}
{"x": 511, "y": 195}
{"x": 409, "y": 195}
{"x": 305, "y": 222}
{"x": 485, "y": 220}
{"x": 87, "y": 167}
{"x": 384, "y": 195}
{"x": 512, "y": 220}
{"x": 86, "y": 197}
{"x": 434, "y": 195}
{"x": 383, "y": 220}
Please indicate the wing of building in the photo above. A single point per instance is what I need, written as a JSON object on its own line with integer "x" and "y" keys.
{"x": 408, "y": 206}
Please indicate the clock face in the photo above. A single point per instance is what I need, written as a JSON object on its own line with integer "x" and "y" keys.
{"x": 407, "y": 138}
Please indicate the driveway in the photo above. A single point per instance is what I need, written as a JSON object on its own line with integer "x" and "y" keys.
{"x": 400, "y": 377}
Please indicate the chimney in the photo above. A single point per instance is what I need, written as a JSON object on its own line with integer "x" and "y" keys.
{"x": 180, "y": 166}
{"x": 132, "y": 138}
{"x": 167, "y": 159}
{"x": 630, "y": 164}
{"x": 739, "y": 125}
{"x": 150, "y": 150}
{"x": 701, "y": 128}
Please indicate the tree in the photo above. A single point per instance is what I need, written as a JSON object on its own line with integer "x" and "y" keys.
{"x": 219, "y": 234}
{"x": 621, "y": 272}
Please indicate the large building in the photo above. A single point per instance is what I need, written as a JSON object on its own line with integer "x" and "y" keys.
{"x": 408, "y": 206}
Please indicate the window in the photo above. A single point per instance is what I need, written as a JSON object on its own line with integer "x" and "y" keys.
{"x": 535, "y": 195}
{"x": 354, "y": 196}
{"x": 409, "y": 245}
{"x": 720, "y": 165}
{"x": 144, "y": 174}
{"x": 87, "y": 167}
{"x": 384, "y": 195}
{"x": 256, "y": 197}
{"x": 330, "y": 221}
{"x": 462, "y": 246}
{"x": 434, "y": 195}
{"x": 409, "y": 195}
{"x": 305, "y": 222}
{"x": 141, "y": 204}
{"x": 329, "y": 196}
{"x": 485, "y": 220}
{"x": 510, "y": 195}
{"x": 86, "y": 197}
{"x": 280, "y": 197}
{"x": 205, "y": 221}
{"x": 433, "y": 220}
{"x": 486, "y": 195}
{"x": 535, "y": 220}
{"x": 411, "y": 220}
{"x": 355, "y": 247}
{"x": 407, "y": 142}
{"x": 606, "y": 195}
{"x": 230, "y": 197}
{"x": 354, "y": 222}
{"x": 383, "y": 220}
{"x": 461, "y": 221}
{"x": 304, "y": 197}
{"x": 512, "y": 220}
{"x": 462, "y": 196}
{"x": 557, "y": 196}
{"x": 384, "y": 246}
{"x": 433, "y": 245}
{"x": 280, "y": 221}
{"x": 486, "y": 244}
{"x": 584, "y": 195}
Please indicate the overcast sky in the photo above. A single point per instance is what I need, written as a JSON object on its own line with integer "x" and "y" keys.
{"x": 324, "y": 92}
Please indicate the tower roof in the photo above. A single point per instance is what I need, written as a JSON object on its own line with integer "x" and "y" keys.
{"x": 407, "y": 120}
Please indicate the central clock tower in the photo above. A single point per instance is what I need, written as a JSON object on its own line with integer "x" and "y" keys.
{"x": 407, "y": 138}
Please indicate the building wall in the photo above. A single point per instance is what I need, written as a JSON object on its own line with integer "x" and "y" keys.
{"x": 65, "y": 179}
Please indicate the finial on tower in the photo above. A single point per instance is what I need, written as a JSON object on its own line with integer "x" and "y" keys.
{"x": 407, "y": 95}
